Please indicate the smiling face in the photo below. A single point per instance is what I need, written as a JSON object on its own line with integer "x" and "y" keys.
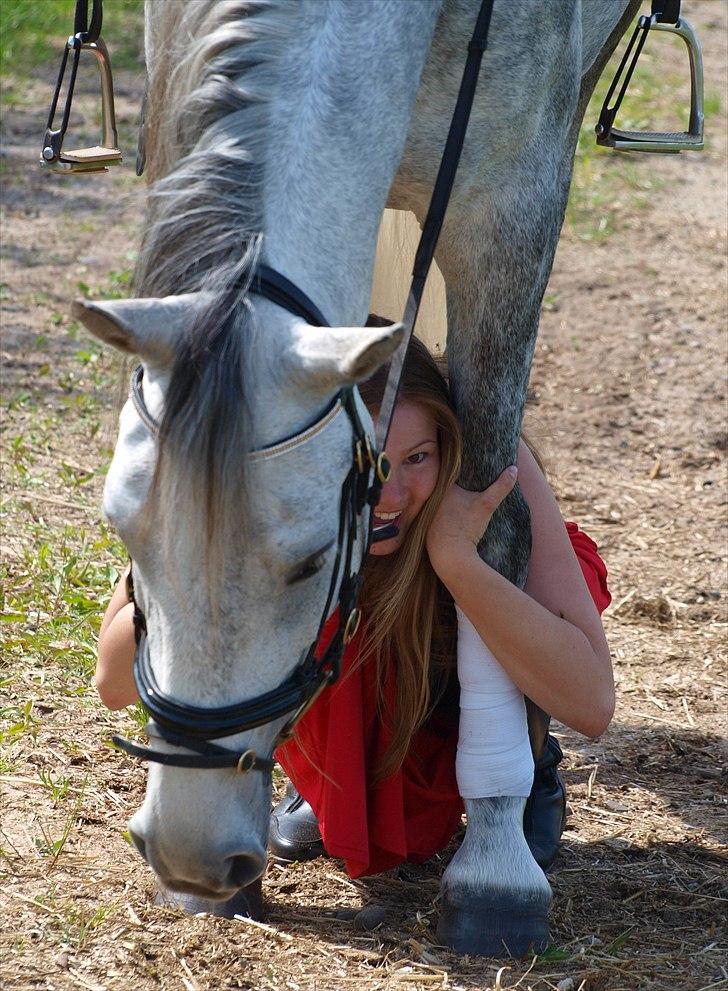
{"x": 414, "y": 452}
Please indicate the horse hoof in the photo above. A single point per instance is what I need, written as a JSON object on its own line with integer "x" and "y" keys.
{"x": 486, "y": 927}
{"x": 248, "y": 902}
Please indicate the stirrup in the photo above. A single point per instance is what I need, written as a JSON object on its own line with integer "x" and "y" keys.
{"x": 659, "y": 141}
{"x": 98, "y": 158}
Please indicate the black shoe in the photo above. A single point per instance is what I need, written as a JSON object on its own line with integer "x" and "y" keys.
{"x": 294, "y": 831}
{"x": 545, "y": 814}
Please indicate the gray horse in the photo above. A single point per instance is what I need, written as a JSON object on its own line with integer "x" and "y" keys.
{"x": 280, "y": 130}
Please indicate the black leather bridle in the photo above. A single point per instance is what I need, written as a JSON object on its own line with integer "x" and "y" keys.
{"x": 194, "y": 727}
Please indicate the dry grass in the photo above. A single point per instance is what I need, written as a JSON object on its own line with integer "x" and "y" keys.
{"x": 628, "y": 404}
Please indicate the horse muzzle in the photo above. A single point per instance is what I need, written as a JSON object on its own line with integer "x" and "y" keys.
{"x": 198, "y": 867}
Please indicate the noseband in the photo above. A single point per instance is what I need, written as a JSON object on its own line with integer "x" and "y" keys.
{"x": 193, "y": 727}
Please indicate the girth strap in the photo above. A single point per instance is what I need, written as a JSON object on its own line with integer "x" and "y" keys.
{"x": 666, "y": 11}
{"x": 87, "y": 31}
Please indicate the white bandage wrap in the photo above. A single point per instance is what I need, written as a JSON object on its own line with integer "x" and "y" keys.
{"x": 494, "y": 754}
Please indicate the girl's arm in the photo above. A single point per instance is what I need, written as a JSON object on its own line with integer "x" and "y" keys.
{"x": 548, "y": 638}
{"x": 114, "y": 678}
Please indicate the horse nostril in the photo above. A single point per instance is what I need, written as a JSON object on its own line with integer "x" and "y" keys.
{"x": 245, "y": 868}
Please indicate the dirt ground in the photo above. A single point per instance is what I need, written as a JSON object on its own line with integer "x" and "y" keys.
{"x": 628, "y": 404}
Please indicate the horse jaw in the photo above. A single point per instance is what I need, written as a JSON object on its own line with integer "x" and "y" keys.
{"x": 150, "y": 327}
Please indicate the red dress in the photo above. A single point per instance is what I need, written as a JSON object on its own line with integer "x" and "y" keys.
{"x": 413, "y": 813}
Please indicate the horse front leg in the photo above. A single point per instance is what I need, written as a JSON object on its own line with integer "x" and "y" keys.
{"x": 494, "y": 895}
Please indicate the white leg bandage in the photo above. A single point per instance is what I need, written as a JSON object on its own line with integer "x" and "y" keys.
{"x": 494, "y": 754}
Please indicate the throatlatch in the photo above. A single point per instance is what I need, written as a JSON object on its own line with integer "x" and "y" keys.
{"x": 665, "y": 16}
{"x": 98, "y": 158}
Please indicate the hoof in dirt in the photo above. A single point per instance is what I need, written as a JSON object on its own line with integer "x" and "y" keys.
{"x": 491, "y": 928}
{"x": 247, "y": 902}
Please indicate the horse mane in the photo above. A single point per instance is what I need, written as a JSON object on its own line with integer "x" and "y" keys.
{"x": 211, "y": 70}
{"x": 209, "y": 82}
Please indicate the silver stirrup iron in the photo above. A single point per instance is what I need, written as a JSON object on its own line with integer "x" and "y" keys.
{"x": 101, "y": 157}
{"x": 665, "y": 16}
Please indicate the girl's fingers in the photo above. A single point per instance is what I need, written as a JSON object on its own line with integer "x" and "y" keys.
{"x": 496, "y": 493}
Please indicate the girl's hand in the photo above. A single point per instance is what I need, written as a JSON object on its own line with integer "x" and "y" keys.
{"x": 461, "y": 521}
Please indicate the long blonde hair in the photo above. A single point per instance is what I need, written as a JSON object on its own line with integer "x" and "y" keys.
{"x": 410, "y": 620}
{"x": 410, "y": 615}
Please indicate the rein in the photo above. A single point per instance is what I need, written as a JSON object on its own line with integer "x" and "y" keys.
{"x": 436, "y": 211}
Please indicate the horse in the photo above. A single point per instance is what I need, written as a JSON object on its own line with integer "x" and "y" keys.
{"x": 276, "y": 133}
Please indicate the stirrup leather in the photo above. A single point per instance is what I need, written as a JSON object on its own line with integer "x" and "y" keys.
{"x": 657, "y": 141}
{"x": 98, "y": 158}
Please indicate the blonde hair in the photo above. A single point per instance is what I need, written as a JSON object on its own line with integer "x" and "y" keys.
{"x": 410, "y": 615}
{"x": 410, "y": 620}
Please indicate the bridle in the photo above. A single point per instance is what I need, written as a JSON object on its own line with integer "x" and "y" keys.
{"x": 194, "y": 727}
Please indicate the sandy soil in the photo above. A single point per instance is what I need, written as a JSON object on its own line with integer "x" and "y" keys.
{"x": 628, "y": 404}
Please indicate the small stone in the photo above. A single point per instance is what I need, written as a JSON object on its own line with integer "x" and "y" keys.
{"x": 62, "y": 961}
{"x": 370, "y": 917}
{"x": 346, "y": 914}
{"x": 566, "y": 985}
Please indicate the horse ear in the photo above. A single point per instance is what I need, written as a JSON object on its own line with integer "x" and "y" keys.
{"x": 150, "y": 328}
{"x": 330, "y": 357}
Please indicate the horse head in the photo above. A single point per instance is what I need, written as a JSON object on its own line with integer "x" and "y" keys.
{"x": 226, "y": 487}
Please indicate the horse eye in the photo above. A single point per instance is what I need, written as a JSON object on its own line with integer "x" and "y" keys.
{"x": 307, "y": 571}
{"x": 308, "y": 568}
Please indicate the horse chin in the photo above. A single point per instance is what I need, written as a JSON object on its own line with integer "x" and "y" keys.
{"x": 192, "y": 900}
{"x": 196, "y": 890}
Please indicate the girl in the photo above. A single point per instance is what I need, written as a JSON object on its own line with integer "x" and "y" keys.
{"x": 376, "y": 768}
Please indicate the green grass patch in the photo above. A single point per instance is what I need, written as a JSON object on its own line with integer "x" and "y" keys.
{"x": 54, "y": 600}
{"x": 78, "y": 923}
{"x": 56, "y": 785}
{"x": 16, "y": 722}
{"x": 33, "y": 33}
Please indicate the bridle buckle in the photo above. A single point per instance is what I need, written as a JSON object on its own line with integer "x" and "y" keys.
{"x": 246, "y": 762}
{"x": 352, "y": 625}
{"x": 384, "y": 467}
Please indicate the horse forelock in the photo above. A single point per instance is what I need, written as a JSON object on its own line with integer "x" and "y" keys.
{"x": 210, "y": 74}
{"x": 200, "y": 480}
